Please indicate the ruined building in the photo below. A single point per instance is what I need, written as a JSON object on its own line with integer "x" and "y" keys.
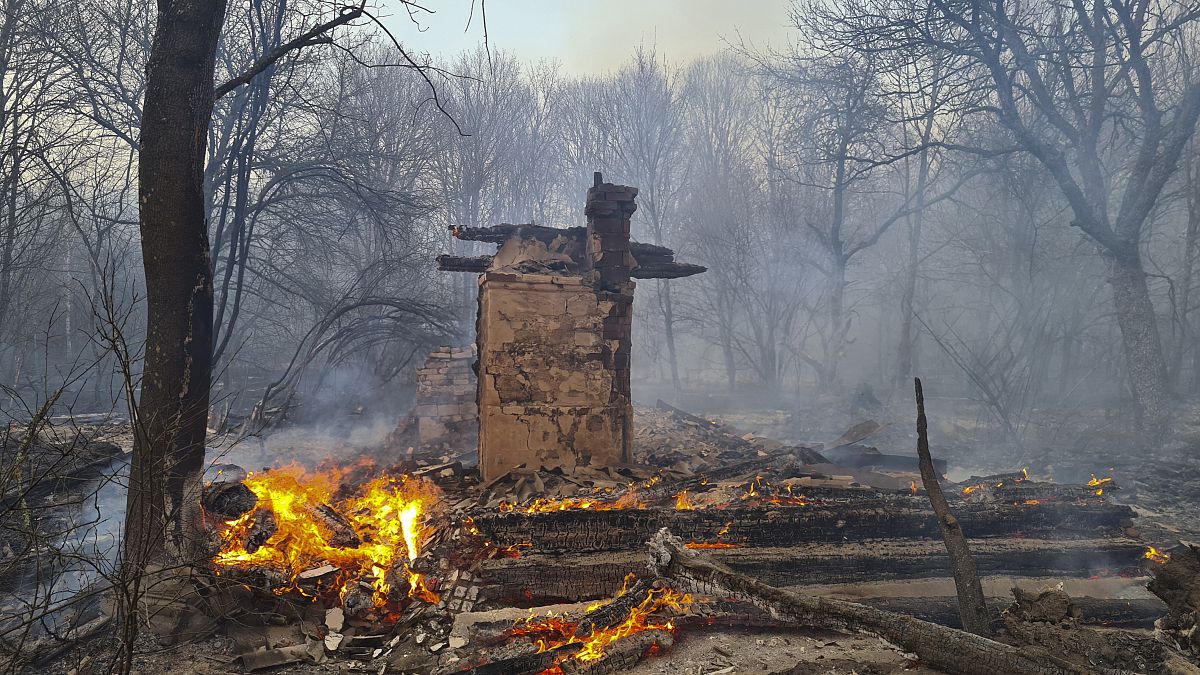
{"x": 446, "y": 411}
{"x": 553, "y": 334}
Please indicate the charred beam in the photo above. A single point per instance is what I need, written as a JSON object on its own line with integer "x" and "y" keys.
{"x": 946, "y": 648}
{"x": 666, "y": 270}
{"x": 498, "y": 234}
{"x": 896, "y": 517}
{"x": 456, "y": 263}
{"x": 544, "y": 578}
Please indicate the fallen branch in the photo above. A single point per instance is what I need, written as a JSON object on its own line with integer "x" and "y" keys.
{"x": 940, "y": 647}
{"x": 972, "y": 606}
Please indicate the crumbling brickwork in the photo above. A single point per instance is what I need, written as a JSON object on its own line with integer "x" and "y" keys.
{"x": 554, "y": 334}
{"x": 446, "y": 388}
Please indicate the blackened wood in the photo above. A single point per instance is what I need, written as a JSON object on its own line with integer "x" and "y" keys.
{"x": 498, "y": 234}
{"x": 892, "y": 517}
{"x": 525, "y": 664}
{"x": 971, "y": 604}
{"x": 457, "y": 263}
{"x": 535, "y": 579}
{"x": 621, "y": 655}
{"x": 665, "y": 270}
{"x": 228, "y": 501}
{"x": 1177, "y": 580}
{"x": 263, "y": 526}
{"x": 613, "y": 613}
{"x": 337, "y": 530}
{"x": 940, "y": 647}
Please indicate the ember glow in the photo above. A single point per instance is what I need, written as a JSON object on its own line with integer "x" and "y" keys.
{"x": 552, "y": 631}
{"x": 630, "y": 499}
{"x": 387, "y": 514}
{"x": 1156, "y": 555}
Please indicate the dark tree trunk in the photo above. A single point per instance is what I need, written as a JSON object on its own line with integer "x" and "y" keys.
{"x": 173, "y": 407}
{"x": 1143, "y": 349}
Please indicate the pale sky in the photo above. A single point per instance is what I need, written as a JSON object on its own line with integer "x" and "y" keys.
{"x": 594, "y": 37}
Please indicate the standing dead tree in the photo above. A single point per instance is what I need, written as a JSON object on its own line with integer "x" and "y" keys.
{"x": 971, "y": 604}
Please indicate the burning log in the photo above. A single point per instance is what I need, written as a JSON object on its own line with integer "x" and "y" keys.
{"x": 337, "y": 530}
{"x": 614, "y": 612}
{"x": 530, "y": 663}
{"x": 263, "y": 526}
{"x": 1177, "y": 581}
{"x": 938, "y": 646}
{"x": 971, "y": 604}
{"x": 621, "y": 655}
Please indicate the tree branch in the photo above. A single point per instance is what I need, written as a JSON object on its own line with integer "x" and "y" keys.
{"x": 314, "y": 36}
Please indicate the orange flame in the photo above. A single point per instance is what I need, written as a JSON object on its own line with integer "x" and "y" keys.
{"x": 682, "y": 503}
{"x": 912, "y": 486}
{"x": 1156, "y": 555}
{"x": 387, "y": 514}
{"x": 553, "y": 631}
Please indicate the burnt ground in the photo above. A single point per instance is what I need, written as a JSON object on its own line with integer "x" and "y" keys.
{"x": 1160, "y": 485}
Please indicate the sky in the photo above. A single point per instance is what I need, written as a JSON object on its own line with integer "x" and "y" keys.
{"x": 588, "y": 37}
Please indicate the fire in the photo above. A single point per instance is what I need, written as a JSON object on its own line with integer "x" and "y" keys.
{"x": 972, "y": 488}
{"x": 387, "y": 515}
{"x": 707, "y": 545}
{"x": 912, "y": 486}
{"x": 552, "y": 631}
{"x": 682, "y": 503}
{"x": 630, "y": 499}
{"x": 1032, "y": 502}
{"x": 1099, "y": 483}
{"x": 1156, "y": 555}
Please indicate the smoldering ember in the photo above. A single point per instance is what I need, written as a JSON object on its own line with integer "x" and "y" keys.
{"x": 797, "y": 337}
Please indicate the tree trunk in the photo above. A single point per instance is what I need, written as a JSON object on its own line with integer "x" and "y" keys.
{"x": 172, "y": 416}
{"x": 1143, "y": 350}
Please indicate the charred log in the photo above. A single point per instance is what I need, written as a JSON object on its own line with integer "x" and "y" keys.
{"x": 1177, "y": 581}
{"x": 263, "y": 526}
{"x": 941, "y": 647}
{"x": 613, "y": 613}
{"x": 898, "y": 517}
{"x": 228, "y": 500}
{"x": 621, "y": 655}
{"x": 544, "y": 578}
{"x": 336, "y": 529}
{"x": 456, "y": 263}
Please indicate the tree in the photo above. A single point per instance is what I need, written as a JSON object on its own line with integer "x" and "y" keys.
{"x": 1097, "y": 92}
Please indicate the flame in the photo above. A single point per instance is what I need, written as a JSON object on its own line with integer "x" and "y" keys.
{"x": 972, "y": 488}
{"x": 387, "y": 514}
{"x": 1032, "y": 502}
{"x": 912, "y": 486}
{"x": 707, "y": 545}
{"x": 682, "y": 503}
{"x": 1099, "y": 483}
{"x": 1156, "y": 555}
{"x": 630, "y": 499}
{"x": 553, "y": 631}
{"x": 1024, "y": 473}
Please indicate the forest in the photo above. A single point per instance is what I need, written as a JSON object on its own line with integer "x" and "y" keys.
{"x": 221, "y": 223}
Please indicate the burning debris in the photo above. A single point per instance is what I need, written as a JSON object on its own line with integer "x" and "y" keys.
{"x": 320, "y": 540}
